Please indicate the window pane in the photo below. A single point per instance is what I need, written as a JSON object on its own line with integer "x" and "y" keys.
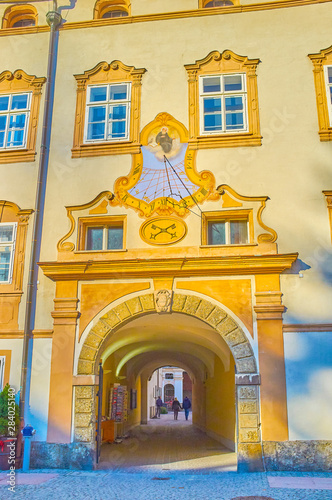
{"x": 94, "y": 240}
{"x": 234, "y": 103}
{"x": 3, "y": 121}
{"x": 212, "y": 105}
{"x": 20, "y": 101}
{"x": 234, "y": 121}
{"x": 115, "y": 238}
{"x": 118, "y": 130}
{"x": 216, "y": 233}
{"x": 96, "y": 125}
{"x": 5, "y": 254}
{"x": 212, "y": 122}
{"x": 232, "y": 83}
{"x": 118, "y": 92}
{"x": 98, "y": 94}
{"x": 6, "y": 233}
{"x": 4, "y": 103}
{"x": 16, "y": 130}
{"x": 329, "y": 74}
{"x": 239, "y": 232}
{"x": 118, "y": 112}
{"x": 211, "y": 84}
{"x": 115, "y": 13}
{"x": 331, "y": 94}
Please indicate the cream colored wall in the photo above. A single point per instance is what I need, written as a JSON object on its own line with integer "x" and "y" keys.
{"x": 14, "y": 345}
{"x": 220, "y": 404}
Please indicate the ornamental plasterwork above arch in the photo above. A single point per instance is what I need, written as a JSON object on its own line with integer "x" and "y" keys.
{"x": 163, "y": 179}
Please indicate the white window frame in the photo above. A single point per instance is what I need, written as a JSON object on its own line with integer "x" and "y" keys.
{"x": 227, "y": 223}
{"x": 222, "y": 95}
{"x": 108, "y": 103}
{"x": 12, "y": 253}
{"x": 328, "y": 91}
{"x": 105, "y": 229}
{"x": 2, "y": 371}
{"x": 10, "y": 113}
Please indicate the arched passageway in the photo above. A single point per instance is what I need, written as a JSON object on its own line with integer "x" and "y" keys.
{"x": 196, "y": 336}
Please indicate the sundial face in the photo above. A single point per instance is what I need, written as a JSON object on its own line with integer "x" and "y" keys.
{"x": 163, "y": 179}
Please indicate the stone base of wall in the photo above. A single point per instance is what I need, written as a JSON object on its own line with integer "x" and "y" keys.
{"x": 302, "y": 456}
{"x": 61, "y": 456}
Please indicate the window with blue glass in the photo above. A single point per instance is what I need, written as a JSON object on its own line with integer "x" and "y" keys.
{"x": 227, "y": 232}
{"x": 108, "y": 111}
{"x": 104, "y": 237}
{"x": 7, "y": 247}
{"x": 14, "y": 119}
{"x": 223, "y": 104}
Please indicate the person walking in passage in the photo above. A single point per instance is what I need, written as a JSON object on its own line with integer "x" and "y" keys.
{"x": 159, "y": 404}
{"x": 176, "y": 407}
{"x": 186, "y": 405}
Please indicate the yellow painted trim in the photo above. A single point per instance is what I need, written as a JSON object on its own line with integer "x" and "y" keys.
{"x": 202, "y": 4}
{"x": 104, "y": 73}
{"x": 328, "y": 195}
{"x": 226, "y": 62}
{"x": 166, "y": 237}
{"x": 323, "y": 58}
{"x": 19, "y": 81}
{"x": 177, "y": 267}
{"x": 104, "y": 6}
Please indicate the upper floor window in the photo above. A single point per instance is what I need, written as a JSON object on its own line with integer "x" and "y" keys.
{"x": 20, "y": 16}
{"x": 101, "y": 233}
{"x": 19, "y": 109}
{"x": 14, "y": 119}
{"x": 7, "y": 248}
{"x": 218, "y": 3}
{"x": 323, "y": 83}
{"x": 108, "y": 110}
{"x": 108, "y": 114}
{"x": 105, "y": 9}
{"x": 169, "y": 375}
{"x": 223, "y": 101}
{"x": 229, "y": 227}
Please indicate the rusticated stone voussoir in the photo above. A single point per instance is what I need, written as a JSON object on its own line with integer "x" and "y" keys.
{"x": 134, "y": 305}
{"x": 235, "y": 337}
{"x": 147, "y": 302}
{"x": 205, "y": 308}
{"x": 84, "y": 367}
{"x": 226, "y": 326}
{"x": 102, "y": 328}
{"x": 88, "y": 353}
{"x": 93, "y": 340}
{"x": 242, "y": 350}
{"x": 111, "y": 318}
{"x": 246, "y": 365}
{"x": 84, "y": 391}
{"x": 122, "y": 311}
{"x": 178, "y": 302}
{"x": 216, "y": 317}
{"x": 191, "y": 305}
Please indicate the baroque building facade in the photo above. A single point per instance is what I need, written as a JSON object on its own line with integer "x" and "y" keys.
{"x": 181, "y": 156}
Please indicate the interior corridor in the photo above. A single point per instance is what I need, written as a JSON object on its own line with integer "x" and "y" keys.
{"x": 166, "y": 444}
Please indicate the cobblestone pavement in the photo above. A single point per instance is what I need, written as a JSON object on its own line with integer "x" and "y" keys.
{"x": 166, "y": 460}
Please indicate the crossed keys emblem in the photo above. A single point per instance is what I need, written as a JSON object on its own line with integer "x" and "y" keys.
{"x": 163, "y": 230}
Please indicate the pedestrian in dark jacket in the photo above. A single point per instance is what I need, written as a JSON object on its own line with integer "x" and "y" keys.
{"x": 176, "y": 407}
{"x": 159, "y": 404}
{"x": 186, "y": 405}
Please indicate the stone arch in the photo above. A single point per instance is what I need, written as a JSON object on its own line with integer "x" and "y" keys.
{"x": 191, "y": 305}
{"x": 249, "y": 445}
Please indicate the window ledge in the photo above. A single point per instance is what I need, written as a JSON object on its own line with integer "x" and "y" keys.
{"x": 105, "y": 148}
{"x": 326, "y": 135}
{"x": 225, "y": 141}
{"x": 230, "y": 245}
{"x": 122, "y": 250}
{"x": 17, "y": 155}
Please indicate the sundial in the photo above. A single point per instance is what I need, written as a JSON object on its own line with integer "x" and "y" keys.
{"x": 163, "y": 179}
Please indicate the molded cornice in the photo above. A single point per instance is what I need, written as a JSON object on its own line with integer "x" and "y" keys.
{"x": 178, "y": 267}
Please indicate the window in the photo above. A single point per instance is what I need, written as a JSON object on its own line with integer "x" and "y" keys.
{"x": 229, "y": 227}
{"x": 108, "y": 108}
{"x": 101, "y": 233}
{"x": 19, "y": 108}
{"x": 14, "y": 119}
{"x": 223, "y": 101}
{"x": 323, "y": 83}
{"x": 218, "y": 3}
{"x": 169, "y": 375}
{"x": 7, "y": 248}
{"x": 20, "y": 16}
{"x": 107, "y": 9}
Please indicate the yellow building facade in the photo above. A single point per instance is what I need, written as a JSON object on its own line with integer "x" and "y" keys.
{"x": 184, "y": 219}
